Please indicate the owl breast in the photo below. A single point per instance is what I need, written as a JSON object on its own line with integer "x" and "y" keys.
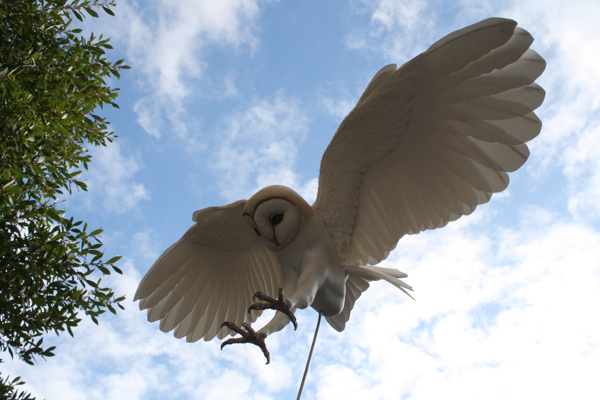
{"x": 313, "y": 254}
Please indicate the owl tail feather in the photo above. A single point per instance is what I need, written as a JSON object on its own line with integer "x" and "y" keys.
{"x": 357, "y": 282}
{"x": 373, "y": 273}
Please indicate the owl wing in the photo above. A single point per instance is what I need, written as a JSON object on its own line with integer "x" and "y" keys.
{"x": 209, "y": 276}
{"x": 430, "y": 141}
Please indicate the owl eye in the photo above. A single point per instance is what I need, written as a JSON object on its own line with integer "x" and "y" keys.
{"x": 276, "y": 219}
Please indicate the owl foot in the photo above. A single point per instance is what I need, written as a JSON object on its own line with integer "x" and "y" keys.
{"x": 280, "y": 304}
{"x": 248, "y": 336}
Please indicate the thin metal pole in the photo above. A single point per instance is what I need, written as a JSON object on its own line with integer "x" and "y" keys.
{"x": 312, "y": 347}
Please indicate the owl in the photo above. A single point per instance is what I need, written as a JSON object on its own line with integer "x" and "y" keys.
{"x": 425, "y": 144}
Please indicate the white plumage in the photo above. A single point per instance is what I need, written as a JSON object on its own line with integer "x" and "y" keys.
{"x": 425, "y": 145}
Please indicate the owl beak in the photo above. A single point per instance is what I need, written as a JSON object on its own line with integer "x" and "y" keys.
{"x": 274, "y": 240}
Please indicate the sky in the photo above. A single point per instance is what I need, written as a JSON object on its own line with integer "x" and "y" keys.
{"x": 227, "y": 97}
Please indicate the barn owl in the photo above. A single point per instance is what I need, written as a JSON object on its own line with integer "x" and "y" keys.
{"x": 425, "y": 144}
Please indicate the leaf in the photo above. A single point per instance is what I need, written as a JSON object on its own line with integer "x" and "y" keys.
{"x": 82, "y": 185}
{"x": 104, "y": 270}
{"x": 114, "y": 259}
{"x": 91, "y": 12}
{"x": 108, "y": 11}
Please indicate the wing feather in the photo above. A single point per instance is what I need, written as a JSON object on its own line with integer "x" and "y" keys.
{"x": 428, "y": 142}
{"x": 209, "y": 276}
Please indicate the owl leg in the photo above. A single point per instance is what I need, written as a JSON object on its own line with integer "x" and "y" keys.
{"x": 280, "y": 304}
{"x": 248, "y": 336}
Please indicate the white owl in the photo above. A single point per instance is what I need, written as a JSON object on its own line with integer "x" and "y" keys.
{"x": 426, "y": 143}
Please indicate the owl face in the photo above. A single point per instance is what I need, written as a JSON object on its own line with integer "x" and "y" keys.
{"x": 276, "y": 213}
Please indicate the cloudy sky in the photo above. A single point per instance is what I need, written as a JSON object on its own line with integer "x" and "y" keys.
{"x": 225, "y": 97}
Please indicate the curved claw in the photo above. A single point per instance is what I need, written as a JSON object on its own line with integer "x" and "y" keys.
{"x": 248, "y": 336}
{"x": 225, "y": 343}
{"x": 279, "y": 304}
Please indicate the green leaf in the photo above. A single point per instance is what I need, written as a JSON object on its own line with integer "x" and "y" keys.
{"x": 108, "y": 11}
{"x": 114, "y": 260}
{"x": 104, "y": 270}
{"x": 91, "y": 12}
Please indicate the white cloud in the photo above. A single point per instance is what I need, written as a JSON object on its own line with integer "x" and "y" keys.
{"x": 147, "y": 111}
{"x": 166, "y": 43}
{"x": 145, "y": 245}
{"x": 583, "y": 169}
{"x": 338, "y": 108}
{"x": 111, "y": 181}
{"x": 398, "y": 30}
{"x": 540, "y": 341}
{"x": 258, "y": 147}
{"x": 308, "y": 191}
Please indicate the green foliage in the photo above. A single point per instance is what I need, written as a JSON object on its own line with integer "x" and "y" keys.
{"x": 51, "y": 81}
{"x": 8, "y": 389}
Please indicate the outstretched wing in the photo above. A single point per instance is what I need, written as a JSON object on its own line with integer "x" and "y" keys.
{"x": 430, "y": 141}
{"x": 209, "y": 276}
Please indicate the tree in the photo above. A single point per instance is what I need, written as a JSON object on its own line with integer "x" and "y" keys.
{"x": 52, "y": 81}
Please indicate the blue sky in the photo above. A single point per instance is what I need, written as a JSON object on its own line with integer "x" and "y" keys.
{"x": 226, "y": 97}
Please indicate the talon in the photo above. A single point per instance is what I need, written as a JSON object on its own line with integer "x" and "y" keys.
{"x": 248, "y": 336}
{"x": 279, "y": 304}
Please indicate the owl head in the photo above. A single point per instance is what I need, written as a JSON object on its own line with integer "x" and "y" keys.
{"x": 277, "y": 213}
